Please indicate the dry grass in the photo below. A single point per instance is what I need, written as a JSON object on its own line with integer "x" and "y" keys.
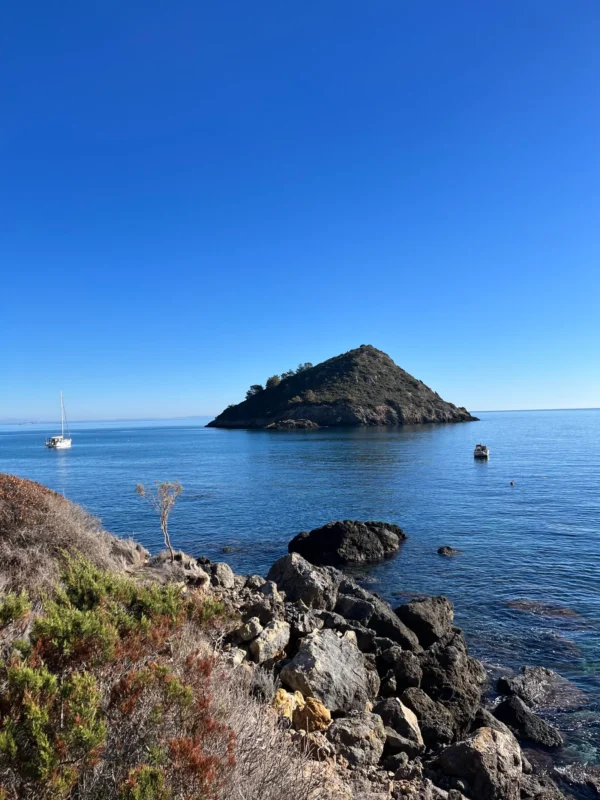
{"x": 37, "y": 526}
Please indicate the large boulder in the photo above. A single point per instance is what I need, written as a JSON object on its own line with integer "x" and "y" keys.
{"x": 373, "y": 613}
{"x": 429, "y": 617}
{"x": 332, "y": 669}
{"x": 271, "y": 642}
{"x": 453, "y": 678}
{"x": 400, "y": 718}
{"x": 525, "y": 724}
{"x": 359, "y": 737}
{"x": 348, "y": 542}
{"x": 490, "y": 761}
{"x": 435, "y": 721}
{"x": 315, "y": 586}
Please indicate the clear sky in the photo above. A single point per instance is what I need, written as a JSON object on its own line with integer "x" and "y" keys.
{"x": 195, "y": 195}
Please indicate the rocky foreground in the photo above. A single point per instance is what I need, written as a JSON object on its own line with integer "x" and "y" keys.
{"x": 391, "y": 694}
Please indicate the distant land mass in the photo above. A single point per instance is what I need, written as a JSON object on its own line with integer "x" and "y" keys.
{"x": 362, "y": 387}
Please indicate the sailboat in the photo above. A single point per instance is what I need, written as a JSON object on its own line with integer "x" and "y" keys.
{"x": 61, "y": 442}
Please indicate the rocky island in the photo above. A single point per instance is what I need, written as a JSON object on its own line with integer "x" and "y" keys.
{"x": 362, "y": 387}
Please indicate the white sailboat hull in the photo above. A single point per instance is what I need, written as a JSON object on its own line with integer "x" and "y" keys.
{"x": 58, "y": 443}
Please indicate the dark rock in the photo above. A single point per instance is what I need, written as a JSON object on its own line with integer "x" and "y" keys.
{"x": 300, "y": 580}
{"x": 430, "y": 618}
{"x": 435, "y": 721}
{"x": 489, "y": 761}
{"x": 400, "y": 718}
{"x": 355, "y": 609}
{"x": 525, "y": 724}
{"x": 333, "y": 670}
{"x": 302, "y": 620}
{"x": 396, "y": 743}
{"x": 451, "y": 676}
{"x": 360, "y": 387}
{"x": 389, "y": 685}
{"x": 292, "y": 425}
{"x": 359, "y": 737}
{"x": 405, "y": 666}
{"x": 485, "y": 719}
{"x": 448, "y": 551}
{"x": 398, "y": 760}
{"x": 542, "y": 688}
{"x": 385, "y": 623}
{"x": 348, "y": 542}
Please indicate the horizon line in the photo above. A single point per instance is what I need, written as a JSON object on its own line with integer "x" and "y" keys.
{"x": 212, "y": 416}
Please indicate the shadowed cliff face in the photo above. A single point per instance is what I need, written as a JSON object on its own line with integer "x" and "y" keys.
{"x": 360, "y": 387}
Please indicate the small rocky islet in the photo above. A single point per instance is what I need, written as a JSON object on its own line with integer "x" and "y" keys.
{"x": 362, "y": 387}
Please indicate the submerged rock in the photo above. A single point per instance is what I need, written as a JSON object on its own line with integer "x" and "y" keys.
{"x": 332, "y": 669}
{"x": 348, "y": 542}
{"x": 541, "y": 687}
{"x": 446, "y": 550}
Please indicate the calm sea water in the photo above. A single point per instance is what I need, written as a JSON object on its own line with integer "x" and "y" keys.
{"x": 538, "y": 541}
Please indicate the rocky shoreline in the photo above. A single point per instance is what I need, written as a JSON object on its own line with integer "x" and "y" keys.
{"x": 389, "y": 694}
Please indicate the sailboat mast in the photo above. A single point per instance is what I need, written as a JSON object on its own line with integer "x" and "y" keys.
{"x": 62, "y": 415}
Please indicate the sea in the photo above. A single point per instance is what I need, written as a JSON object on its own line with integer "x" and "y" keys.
{"x": 526, "y": 582}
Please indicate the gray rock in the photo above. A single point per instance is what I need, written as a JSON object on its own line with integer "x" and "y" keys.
{"x": 525, "y": 724}
{"x": 542, "y": 688}
{"x": 430, "y": 618}
{"x": 399, "y": 717}
{"x": 234, "y": 656}
{"x": 249, "y": 631}
{"x": 359, "y": 737}
{"x": 222, "y": 575}
{"x": 348, "y": 542}
{"x": 490, "y": 761}
{"x": 254, "y": 581}
{"x": 269, "y": 589}
{"x": 315, "y": 586}
{"x": 302, "y": 620}
{"x": 485, "y": 719}
{"x": 271, "y": 642}
{"x": 333, "y": 670}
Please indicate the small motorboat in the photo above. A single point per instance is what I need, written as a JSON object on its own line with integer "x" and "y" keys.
{"x": 481, "y": 451}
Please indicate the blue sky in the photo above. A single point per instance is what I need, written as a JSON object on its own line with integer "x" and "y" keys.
{"x": 196, "y": 195}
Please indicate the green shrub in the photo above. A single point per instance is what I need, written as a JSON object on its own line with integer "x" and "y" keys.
{"x": 13, "y": 606}
{"x": 273, "y": 381}
{"x": 145, "y": 783}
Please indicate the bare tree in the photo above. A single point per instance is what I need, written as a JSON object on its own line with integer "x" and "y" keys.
{"x": 161, "y": 499}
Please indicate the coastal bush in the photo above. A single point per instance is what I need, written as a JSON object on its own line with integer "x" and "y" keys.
{"x": 255, "y": 389}
{"x": 13, "y": 606}
{"x": 273, "y": 381}
{"x": 118, "y": 695}
{"x": 161, "y": 499}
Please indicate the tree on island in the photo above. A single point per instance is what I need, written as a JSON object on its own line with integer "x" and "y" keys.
{"x": 302, "y": 367}
{"x": 273, "y": 381}
{"x": 161, "y": 499}
{"x": 254, "y": 389}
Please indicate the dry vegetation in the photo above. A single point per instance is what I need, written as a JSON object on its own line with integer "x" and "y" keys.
{"x": 112, "y": 689}
{"x": 37, "y": 528}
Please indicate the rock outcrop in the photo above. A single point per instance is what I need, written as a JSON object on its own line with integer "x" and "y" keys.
{"x": 348, "y": 542}
{"x": 360, "y": 387}
{"x": 292, "y": 425}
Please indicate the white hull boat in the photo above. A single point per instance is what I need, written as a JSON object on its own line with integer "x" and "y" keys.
{"x": 61, "y": 442}
{"x": 481, "y": 451}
